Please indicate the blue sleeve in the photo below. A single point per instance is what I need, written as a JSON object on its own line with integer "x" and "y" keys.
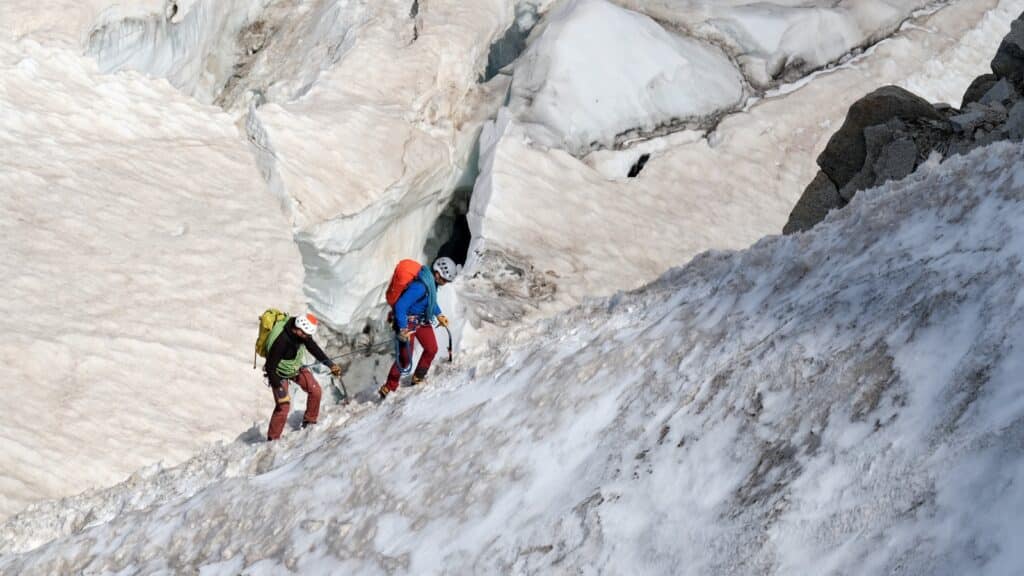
{"x": 437, "y": 309}
{"x": 412, "y": 293}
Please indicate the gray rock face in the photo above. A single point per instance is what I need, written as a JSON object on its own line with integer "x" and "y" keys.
{"x": 978, "y": 88}
{"x": 967, "y": 122}
{"x": 896, "y": 160}
{"x": 1014, "y": 128}
{"x": 818, "y": 199}
{"x": 1000, "y": 93}
{"x": 891, "y": 154}
{"x": 846, "y": 151}
{"x": 1009, "y": 60}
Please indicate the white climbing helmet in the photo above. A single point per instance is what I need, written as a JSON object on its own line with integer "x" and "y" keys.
{"x": 307, "y": 324}
{"x": 446, "y": 268}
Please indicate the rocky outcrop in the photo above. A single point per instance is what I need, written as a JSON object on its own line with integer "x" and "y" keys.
{"x": 889, "y": 132}
{"x": 978, "y": 88}
{"x": 818, "y": 199}
{"x": 845, "y": 155}
{"x": 1009, "y": 60}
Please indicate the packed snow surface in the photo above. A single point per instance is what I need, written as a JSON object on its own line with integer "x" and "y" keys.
{"x": 845, "y": 400}
{"x": 139, "y": 247}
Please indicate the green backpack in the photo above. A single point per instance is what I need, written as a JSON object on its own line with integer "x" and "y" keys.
{"x": 271, "y": 323}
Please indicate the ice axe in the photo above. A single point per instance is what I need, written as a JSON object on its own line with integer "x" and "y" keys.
{"x": 449, "y": 343}
{"x": 339, "y": 388}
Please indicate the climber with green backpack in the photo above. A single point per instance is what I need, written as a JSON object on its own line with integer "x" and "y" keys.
{"x": 283, "y": 342}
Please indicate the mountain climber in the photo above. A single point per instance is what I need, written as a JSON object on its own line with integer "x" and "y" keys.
{"x": 413, "y": 314}
{"x": 285, "y": 356}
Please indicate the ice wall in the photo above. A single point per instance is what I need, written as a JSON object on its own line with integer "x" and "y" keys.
{"x": 369, "y": 157}
{"x": 196, "y": 50}
{"x": 577, "y": 85}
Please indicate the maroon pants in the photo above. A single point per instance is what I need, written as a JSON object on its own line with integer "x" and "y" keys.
{"x": 283, "y": 405}
{"x": 424, "y": 334}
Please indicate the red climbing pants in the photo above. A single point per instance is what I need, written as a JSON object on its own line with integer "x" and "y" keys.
{"x": 283, "y": 404}
{"x": 424, "y": 334}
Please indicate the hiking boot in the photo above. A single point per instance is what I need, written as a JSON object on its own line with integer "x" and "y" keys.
{"x": 383, "y": 391}
{"x": 418, "y": 377}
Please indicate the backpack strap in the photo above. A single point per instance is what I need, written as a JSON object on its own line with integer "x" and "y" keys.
{"x": 274, "y": 333}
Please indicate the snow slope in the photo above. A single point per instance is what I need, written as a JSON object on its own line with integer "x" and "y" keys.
{"x": 841, "y": 401}
{"x": 550, "y": 229}
{"x": 139, "y": 247}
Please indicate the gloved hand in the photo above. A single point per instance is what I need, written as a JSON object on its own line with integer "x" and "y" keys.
{"x": 442, "y": 320}
{"x": 335, "y": 370}
{"x": 404, "y": 335}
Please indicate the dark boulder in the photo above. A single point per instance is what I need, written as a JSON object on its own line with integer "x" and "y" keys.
{"x": 889, "y": 132}
{"x": 818, "y": 199}
{"x": 968, "y": 121}
{"x": 1002, "y": 92}
{"x": 1009, "y": 60}
{"x": 846, "y": 151}
{"x": 978, "y": 88}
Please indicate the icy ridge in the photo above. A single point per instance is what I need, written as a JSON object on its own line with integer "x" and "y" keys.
{"x": 844, "y": 400}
